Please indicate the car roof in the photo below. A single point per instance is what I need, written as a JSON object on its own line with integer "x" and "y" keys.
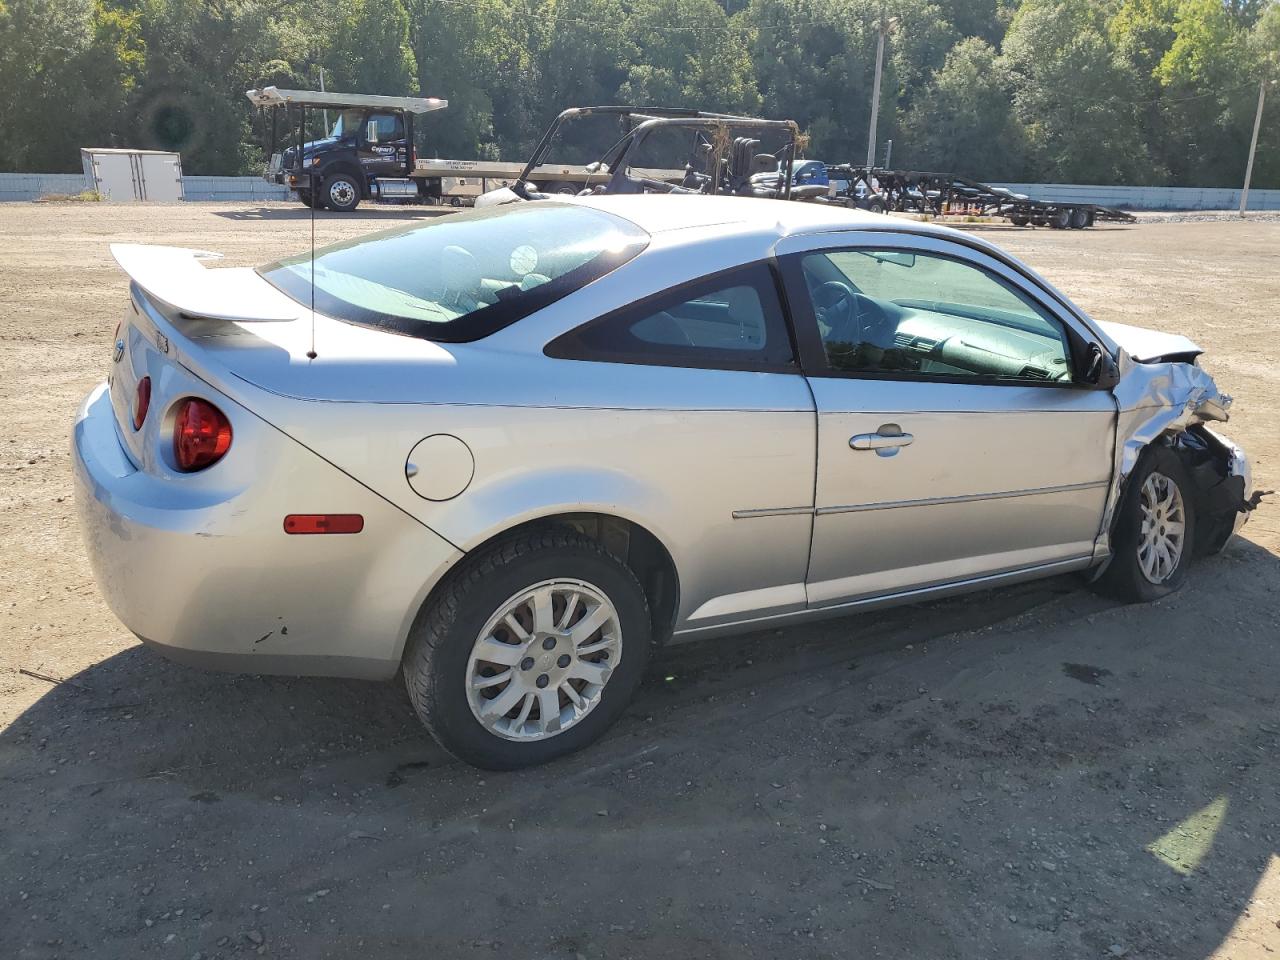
{"x": 658, "y": 213}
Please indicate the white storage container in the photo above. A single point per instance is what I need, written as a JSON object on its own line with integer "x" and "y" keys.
{"x": 132, "y": 174}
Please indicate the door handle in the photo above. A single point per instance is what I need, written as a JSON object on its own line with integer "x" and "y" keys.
{"x": 880, "y": 441}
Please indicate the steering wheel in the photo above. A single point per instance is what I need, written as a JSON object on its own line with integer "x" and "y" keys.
{"x": 850, "y": 317}
{"x": 835, "y": 305}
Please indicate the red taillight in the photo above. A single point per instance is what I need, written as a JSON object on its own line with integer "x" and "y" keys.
{"x": 201, "y": 435}
{"x": 323, "y": 523}
{"x": 142, "y": 402}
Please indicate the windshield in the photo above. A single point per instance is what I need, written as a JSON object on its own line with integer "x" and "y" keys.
{"x": 348, "y": 124}
{"x": 461, "y": 276}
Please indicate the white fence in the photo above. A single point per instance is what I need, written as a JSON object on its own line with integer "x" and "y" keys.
{"x": 232, "y": 189}
{"x": 1149, "y": 198}
{"x": 31, "y": 186}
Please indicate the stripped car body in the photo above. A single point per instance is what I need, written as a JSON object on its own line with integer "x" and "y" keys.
{"x": 741, "y": 481}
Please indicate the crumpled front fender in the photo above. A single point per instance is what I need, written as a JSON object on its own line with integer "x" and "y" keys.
{"x": 1166, "y": 399}
{"x": 1159, "y": 398}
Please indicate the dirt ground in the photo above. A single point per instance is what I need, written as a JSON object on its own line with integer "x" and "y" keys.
{"x": 1031, "y": 772}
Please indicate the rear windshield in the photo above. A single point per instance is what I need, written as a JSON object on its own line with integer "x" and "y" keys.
{"x": 464, "y": 275}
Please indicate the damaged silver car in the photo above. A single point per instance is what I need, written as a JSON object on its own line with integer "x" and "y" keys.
{"x": 511, "y": 451}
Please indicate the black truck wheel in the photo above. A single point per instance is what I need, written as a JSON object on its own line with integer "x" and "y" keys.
{"x": 1020, "y": 221}
{"x": 304, "y": 197}
{"x": 1079, "y": 219}
{"x": 341, "y": 192}
{"x": 1060, "y": 219}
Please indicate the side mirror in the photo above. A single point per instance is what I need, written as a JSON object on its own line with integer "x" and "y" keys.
{"x": 1100, "y": 369}
{"x": 371, "y": 131}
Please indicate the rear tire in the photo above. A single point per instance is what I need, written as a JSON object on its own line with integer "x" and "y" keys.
{"x": 450, "y": 677}
{"x": 304, "y": 197}
{"x": 1019, "y": 221}
{"x": 340, "y": 192}
{"x": 1060, "y": 219}
{"x": 1147, "y": 561}
{"x": 1079, "y": 219}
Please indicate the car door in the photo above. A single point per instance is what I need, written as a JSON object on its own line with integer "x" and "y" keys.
{"x": 956, "y": 439}
{"x": 700, "y": 396}
{"x": 383, "y": 145}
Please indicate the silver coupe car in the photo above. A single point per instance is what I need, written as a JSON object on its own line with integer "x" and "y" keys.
{"x": 509, "y": 452}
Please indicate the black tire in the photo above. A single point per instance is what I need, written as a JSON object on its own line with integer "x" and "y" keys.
{"x": 1079, "y": 219}
{"x": 875, "y": 205}
{"x": 1019, "y": 221}
{"x": 1060, "y": 219}
{"x": 1124, "y": 578}
{"x": 304, "y": 197}
{"x": 340, "y": 192}
{"x": 436, "y": 657}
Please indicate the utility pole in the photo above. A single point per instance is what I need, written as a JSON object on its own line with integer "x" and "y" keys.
{"x": 1253, "y": 146}
{"x": 326, "y": 112}
{"x": 886, "y": 27}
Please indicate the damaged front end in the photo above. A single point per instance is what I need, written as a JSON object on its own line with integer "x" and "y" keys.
{"x": 1165, "y": 397}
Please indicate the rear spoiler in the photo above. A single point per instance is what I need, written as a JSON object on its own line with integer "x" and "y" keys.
{"x": 178, "y": 277}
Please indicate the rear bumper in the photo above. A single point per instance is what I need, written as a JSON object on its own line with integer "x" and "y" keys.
{"x": 206, "y": 573}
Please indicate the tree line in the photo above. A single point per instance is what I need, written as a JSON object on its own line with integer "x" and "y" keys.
{"x": 1084, "y": 91}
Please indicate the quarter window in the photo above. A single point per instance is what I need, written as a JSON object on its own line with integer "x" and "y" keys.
{"x": 934, "y": 316}
{"x": 731, "y": 320}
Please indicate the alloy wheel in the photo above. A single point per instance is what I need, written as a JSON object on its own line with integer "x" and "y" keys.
{"x": 543, "y": 659}
{"x": 1163, "y": 532}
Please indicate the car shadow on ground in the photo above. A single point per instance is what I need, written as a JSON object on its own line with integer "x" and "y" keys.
{"x": 1034, "y": 771}
{"x": 405, "y": 212}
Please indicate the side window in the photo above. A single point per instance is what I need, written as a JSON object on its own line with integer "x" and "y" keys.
{"x": 892, "y": 311}
{"x": 389, "y": 127}
{"x": 732, "y": 320}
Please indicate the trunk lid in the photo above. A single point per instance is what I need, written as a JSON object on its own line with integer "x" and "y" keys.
{"x": 232, "y": 328}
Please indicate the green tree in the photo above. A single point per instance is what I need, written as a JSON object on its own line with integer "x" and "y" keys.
{"x": 1071, "y": 94}
{"x": 1208, "y": 94}
{"x": 963, "y": 121}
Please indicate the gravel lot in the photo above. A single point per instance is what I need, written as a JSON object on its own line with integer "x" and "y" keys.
{"x": 1031, "y": 772}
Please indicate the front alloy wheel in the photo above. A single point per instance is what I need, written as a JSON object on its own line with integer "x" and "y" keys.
{"x": 542, "y": 661}
{"x": 1163, "y": 531}
{"x": 1153, "y": 539}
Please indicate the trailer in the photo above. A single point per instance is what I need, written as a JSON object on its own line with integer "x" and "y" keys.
{"x": 947, "y": 194}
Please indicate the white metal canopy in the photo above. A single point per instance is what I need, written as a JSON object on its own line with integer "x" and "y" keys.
{"x": 275, "y": 97}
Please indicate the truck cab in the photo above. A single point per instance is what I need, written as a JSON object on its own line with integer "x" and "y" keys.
{"x": 367, "y": 154}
